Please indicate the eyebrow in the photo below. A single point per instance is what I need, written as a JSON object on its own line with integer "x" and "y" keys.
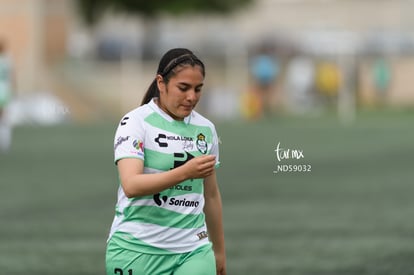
{"x": 186, "y": 84}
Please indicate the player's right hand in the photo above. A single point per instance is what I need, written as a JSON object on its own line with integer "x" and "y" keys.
{"x": 200, "y": 167}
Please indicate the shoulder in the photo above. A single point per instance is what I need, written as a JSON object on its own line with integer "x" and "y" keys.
{"x": 134, "y": 120}
{"x": 200, "y": 120}
{"x": 137, "y": 114}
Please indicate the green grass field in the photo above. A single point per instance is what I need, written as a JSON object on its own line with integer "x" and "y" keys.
{"x": 351, "y": 214}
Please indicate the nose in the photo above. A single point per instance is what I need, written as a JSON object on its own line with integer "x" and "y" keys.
{"x": 191, "y": 95}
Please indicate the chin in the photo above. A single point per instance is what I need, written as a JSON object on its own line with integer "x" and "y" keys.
{"x": 184, "y": 115}
{"x": 180, "y": 116}
{"x": 186, "y": 112}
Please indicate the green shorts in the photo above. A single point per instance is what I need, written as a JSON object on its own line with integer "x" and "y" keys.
{"x": 120, "y": 261}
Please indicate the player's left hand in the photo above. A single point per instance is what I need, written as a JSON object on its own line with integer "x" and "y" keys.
{"x": 221, "y": 265}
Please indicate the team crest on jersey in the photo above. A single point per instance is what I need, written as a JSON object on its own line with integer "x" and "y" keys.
{"x": 201, "y": 143}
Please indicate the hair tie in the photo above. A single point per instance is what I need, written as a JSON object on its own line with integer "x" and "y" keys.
{"x": 178, "y": 60}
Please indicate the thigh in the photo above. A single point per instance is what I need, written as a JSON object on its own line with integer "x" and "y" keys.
{"x": 199, "y": 262}
{"x": 120, "y": 261}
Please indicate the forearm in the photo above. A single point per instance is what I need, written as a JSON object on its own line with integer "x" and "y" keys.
{"x": 136, "y": 183}
{"x": 148, "y": 184}
{"x": 214, "y": 221}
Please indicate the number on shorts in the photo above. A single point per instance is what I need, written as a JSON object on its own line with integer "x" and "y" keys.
{"x": 121, "y": 272}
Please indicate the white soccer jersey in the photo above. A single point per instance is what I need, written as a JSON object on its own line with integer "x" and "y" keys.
{"x": 171, "y": 221}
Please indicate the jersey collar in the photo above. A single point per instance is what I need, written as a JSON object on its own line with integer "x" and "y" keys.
{"x": 166, "y": 116}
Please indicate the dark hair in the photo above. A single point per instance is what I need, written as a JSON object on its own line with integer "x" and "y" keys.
{"x": 166, "y": 68}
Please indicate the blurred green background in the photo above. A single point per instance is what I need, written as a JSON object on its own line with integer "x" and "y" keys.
{"x": 351, "y": 214}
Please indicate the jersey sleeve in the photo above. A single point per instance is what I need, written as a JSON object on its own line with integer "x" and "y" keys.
{"x": 129, "y": 138}
{"x": 215, "y": 147}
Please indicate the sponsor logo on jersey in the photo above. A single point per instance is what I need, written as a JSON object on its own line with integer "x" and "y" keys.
{"x": 183, "y": 202}
{"x": 202, "y": 235}
{"x": 201, "y": 143}
{"x": 139, "y": 146}
{"x": 188, "y": 145}
{"x": 181, "y": 159}
{"x": 124, "y": 120}
{"x": 160, "y": 200}
{"x": 182, "y": 187}
{"x": 162, "y": 139}
{"x": 120, "y": 140}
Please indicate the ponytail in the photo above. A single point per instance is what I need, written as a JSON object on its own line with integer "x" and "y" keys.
{"x": 169, "y": 61}
{"x": 151, "y": 92}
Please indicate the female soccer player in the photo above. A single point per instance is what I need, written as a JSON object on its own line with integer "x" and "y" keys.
{"x": 169, "y": 213}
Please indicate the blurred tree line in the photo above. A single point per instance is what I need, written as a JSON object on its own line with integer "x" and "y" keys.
{"x": 92, "y": 10}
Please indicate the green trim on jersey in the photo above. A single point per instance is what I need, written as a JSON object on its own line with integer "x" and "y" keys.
{"x": 161, "y": 161}
{"x": 182, "y": 188}
{"x": 178, "y": 127}
{"x": 158, "y": 160}
{"x": 163, "y": 217}
{"x": 129, "y": 242}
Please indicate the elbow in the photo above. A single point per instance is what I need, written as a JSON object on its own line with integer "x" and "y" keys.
{"x": 132, "y": 190}
{"x": 128, "y": 190}
{"x": 128, "y": 193}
